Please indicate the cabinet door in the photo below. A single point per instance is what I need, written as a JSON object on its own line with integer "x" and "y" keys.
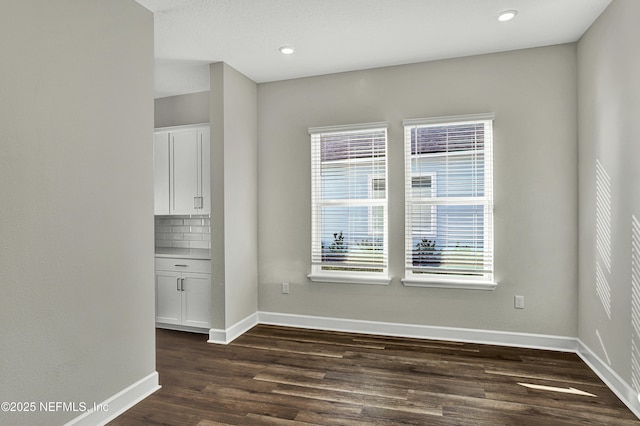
{"x": 205, "y": 175}
{"x": 185, "y": 171}
{"x": 161, "y": 172}
{"x": 196, "y": 300}
{"x": 168, "y": 297}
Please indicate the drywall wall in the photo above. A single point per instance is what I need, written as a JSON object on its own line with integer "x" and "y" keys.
{"x": 234, "y": 223}
{"x": 533, "y": 95}
{"x": 609, "y": 151}
{"x": 76, "y": 203}
{"x": 192, "y": 108}
{"x": 218, "y": 252}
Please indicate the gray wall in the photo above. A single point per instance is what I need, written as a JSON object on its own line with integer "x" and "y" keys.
{"x": 192, "y": 108}
{"x": 234, "y": 182}
{"x": 76, "y": 202}
{"x": 609, "y": 131}
{"x": 533, "y": 94}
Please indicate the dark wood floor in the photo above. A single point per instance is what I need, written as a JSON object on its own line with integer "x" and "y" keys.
{"x": 281, "y": 376}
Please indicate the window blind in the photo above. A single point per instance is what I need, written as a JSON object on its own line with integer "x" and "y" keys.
{"x": 449, "y": 198}
{"x": 349, "y": 199}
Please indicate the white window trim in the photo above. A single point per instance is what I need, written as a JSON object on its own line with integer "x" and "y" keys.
{"x": 351, "y": 277}
{"x": 432, "y": 281}
{"x": 346, "y": 277}
{"x": 448, "y": 283}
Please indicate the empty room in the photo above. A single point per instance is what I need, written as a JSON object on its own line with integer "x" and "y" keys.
{"x": 320, "y": 212}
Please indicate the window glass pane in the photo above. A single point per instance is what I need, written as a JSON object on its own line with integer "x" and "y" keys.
{"x": 459, "y": 174}
{"x": 349, "y": 201}
{"x": 447, "y": 138}
{"x": 449, "y": 220}
{"x": 378, "y": 188}
{"x": 421, "y": 186}
{"x": 342, "y": 180}
{"x": 458, "y": 244}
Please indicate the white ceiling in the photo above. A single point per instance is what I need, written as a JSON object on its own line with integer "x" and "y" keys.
{"x": 344, "y": 35}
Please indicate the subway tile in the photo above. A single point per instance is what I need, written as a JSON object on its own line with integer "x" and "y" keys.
{"x": 200, "y": 229}
{"x": 183, "y": 231}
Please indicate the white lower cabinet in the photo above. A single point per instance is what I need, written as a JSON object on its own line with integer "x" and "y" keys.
{"x": 183, "y": 292}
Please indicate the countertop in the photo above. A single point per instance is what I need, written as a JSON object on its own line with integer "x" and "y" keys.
{"x": 183, "y": 253}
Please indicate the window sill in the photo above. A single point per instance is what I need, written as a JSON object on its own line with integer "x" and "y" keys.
{"x": 443, "y": 283}
{"x": 349, "y": 279}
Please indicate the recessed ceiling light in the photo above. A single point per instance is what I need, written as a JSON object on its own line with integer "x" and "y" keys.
{"x": 507, "y": 15}
{"x": 286, "y": 50}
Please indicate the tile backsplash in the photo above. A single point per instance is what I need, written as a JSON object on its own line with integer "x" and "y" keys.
{"x": 183, "y": 231}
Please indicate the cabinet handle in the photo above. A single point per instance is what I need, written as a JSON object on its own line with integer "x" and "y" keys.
{"x": 181, "y": 284}
{"x": 178, "y": 285}
{"x": 181, "y": 266}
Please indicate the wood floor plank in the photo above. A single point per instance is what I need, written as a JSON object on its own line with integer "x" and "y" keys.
{"x": 276, "y": 375}
{"x": 283, "y": 400}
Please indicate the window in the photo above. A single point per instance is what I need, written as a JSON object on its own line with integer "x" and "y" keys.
{"x": 449, "y": 227}
{"x": 425, "y": 217}
{"x": 423, "y": 185}
{"x": 349, "y": 204}
{"x": 378, "y": 188}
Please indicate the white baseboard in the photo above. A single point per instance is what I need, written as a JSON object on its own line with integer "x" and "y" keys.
{"x": 491, "y": 337}
{"x": 501, "y": 338}
{"x": 620, "y": 387}
{"x": 118, "y": 403}
{"x": 182, "y": 328}
{"x": 224, "y": 337}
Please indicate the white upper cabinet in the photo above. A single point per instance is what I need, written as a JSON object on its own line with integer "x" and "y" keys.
{"x": 182, "y": 178}
{"x": 186, "y": 178}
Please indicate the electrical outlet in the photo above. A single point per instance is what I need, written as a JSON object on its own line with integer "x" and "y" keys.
{"x": 518, "y": 302}
{"x": 285, "y": 288}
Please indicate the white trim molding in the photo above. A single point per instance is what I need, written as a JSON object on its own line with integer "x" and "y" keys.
{"x": 449, "y": 119}
{"x": 349, "y": 279}
{"x": 118, "y": 403}
{"x": 443, "y": 283}
{"x": 500, "y": 338}
{"x": 349, "y": 127}
{"x": 228, "y": 335}
{"x": 181, "y": 127}
{"x": 490, "y": 337}
{"x": 178, "y": 327}
{"x": 619, "y": 386}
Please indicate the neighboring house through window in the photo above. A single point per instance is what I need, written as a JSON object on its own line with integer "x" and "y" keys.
{"x": 349, "y": 204}
{"x": 449, "y": 226}
{"x": 422, "y": 185}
